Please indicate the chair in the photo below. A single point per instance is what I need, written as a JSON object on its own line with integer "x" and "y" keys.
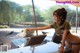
{"x": 56, "y": 39}
{"x": 35, "y": 41}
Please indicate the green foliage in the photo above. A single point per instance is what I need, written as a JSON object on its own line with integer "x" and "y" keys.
{"x": 48, "y": 14}
{"x": 71, "y": 14}
{"x": 8, "y": 11}
{"x": 4, "y": 26}
{"x": 29, "y": 15}
{"x": 11, "y": 12}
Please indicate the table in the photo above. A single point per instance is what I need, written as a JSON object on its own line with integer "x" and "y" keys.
{"x": 49, "y": 47}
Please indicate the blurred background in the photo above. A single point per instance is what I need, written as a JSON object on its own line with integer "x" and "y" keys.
{"x": 19, "y": 13}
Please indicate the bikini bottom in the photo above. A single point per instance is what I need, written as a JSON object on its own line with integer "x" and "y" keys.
{"x": 74, "y": 43}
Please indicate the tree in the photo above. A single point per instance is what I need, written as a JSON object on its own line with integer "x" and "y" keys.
{"x": 10, "y": 12}
{"x": 71, "y": 14}
{"x": 28, "y": 13}
{"x": 4, "y": 11}
{"x": 48, "y": 14}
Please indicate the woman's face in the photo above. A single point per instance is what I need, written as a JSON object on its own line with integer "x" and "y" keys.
{"x": 56, "y": 19}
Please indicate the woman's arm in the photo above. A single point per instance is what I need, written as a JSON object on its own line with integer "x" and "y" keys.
{"x": 39, "y": 28}
{"x": 63, "y": 40}
{"x": 64, "y": 37}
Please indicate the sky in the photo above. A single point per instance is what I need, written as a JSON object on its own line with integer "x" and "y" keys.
{"x": 42, "y": 4}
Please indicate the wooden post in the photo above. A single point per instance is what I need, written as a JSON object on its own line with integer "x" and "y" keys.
{"x": 76, "y": 19}
{"x": 34, "y": 16}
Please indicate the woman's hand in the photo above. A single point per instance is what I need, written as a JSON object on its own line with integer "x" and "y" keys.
{"x": 61, "y": 49}
{"x": 29, "y": 29}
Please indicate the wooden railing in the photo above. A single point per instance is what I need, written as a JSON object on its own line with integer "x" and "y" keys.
{"x": 30, "y": 23}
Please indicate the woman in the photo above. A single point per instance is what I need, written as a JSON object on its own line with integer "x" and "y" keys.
{"x": 62, "y": 28}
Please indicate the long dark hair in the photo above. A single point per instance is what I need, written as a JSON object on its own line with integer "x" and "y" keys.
{"x": 61, "y": 13}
